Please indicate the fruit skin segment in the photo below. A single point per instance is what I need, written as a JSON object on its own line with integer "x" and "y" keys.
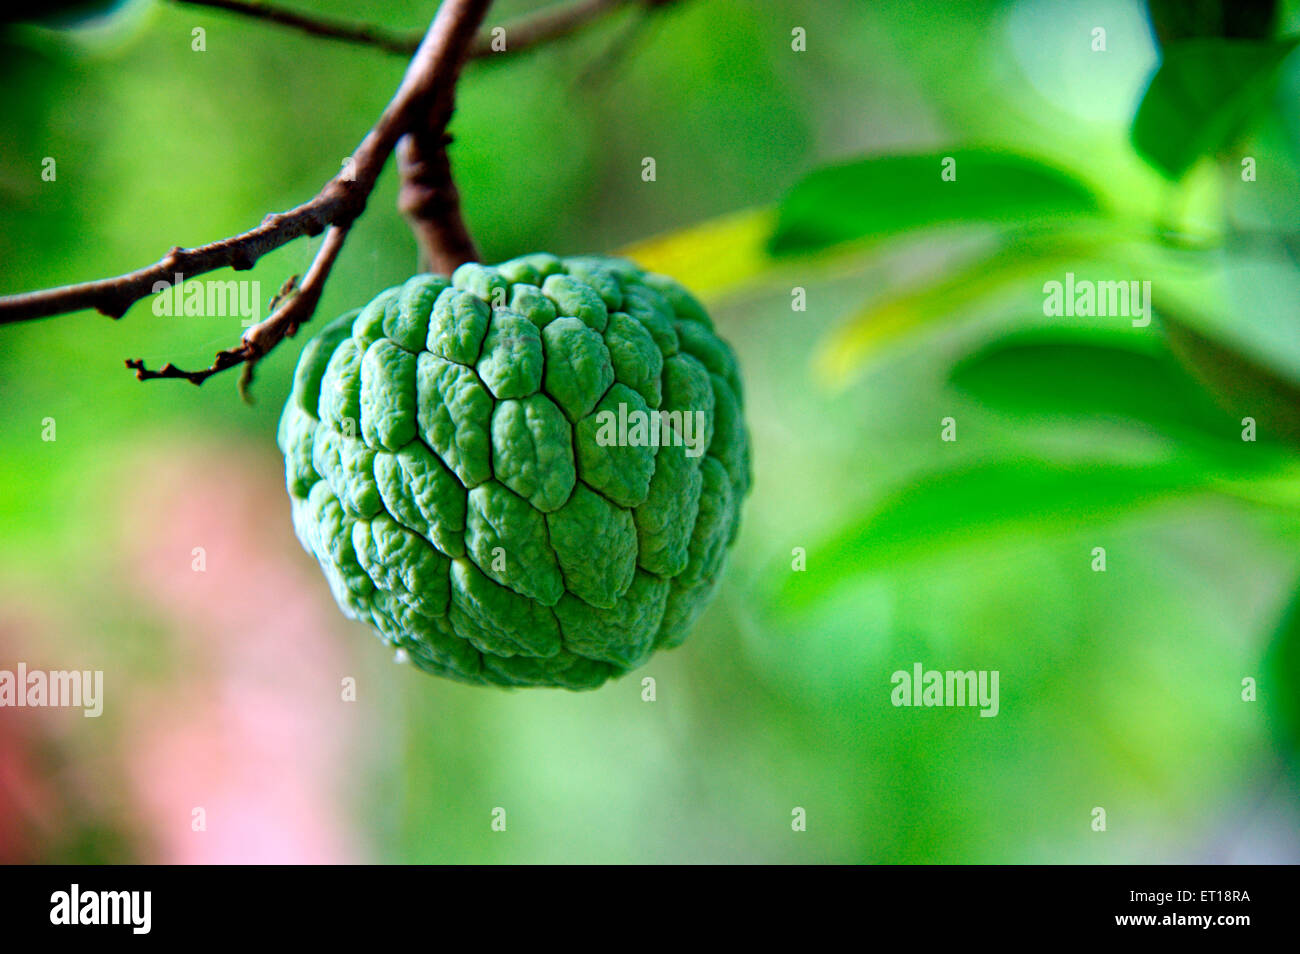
{"x": 445, "y": 466}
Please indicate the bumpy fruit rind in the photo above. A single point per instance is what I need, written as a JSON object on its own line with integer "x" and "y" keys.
{"x": 447, "y": 467}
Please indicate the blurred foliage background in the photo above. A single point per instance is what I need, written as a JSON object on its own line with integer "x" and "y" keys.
{"x": 777, "y": 169}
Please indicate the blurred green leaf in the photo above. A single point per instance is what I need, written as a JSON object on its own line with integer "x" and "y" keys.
{"x": 1125, "y": 376}
{"x": 889, "y": 318}
{"x": 1242, "y": 386}
{"x": 62, "y": 13}
{"x": 1201, "y": 98}
{"x": 980, "y": 504}
{"x": 887, "y": 194}
{"x": 1182, "y": 19}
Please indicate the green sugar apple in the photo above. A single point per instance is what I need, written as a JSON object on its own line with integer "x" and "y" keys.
{"x": 524, "y": 475}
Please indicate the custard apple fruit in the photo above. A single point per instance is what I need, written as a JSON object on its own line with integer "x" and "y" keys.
{"x": 524, "y": 475}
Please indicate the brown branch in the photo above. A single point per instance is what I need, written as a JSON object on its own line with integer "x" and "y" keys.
{"x": 430, "y": 201}
{"x": 113, "y": 296}
{"x": 421, "y": 107}
{"x": 527, "y": 32}
{"x": 341, "y": 200}
{"x": 551, "y": 24}
{"x": 428, "y": 79}
{"x": 262, "y": 337}
{"x": 316, "y": 25}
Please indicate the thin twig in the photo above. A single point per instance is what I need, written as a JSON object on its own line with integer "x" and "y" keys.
{"x": 314, "y": 24}
{"x": 524, "y": 34}
{"x": 283, "y": 322}
{"x": 550, "y": 24}
{"x": 113, "y": 296}
{"x": 418, "y": 111}
{"x": 431, "y": 76}
{"x": 617, "y": 50}
{"x": 341, "y": 200}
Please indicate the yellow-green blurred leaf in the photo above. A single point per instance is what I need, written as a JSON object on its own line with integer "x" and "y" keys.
{"x": 711, "y": 258}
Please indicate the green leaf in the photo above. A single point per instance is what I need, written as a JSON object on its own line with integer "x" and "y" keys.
{"x": 982, "y": 503}
{"x": 884, "y": 195}
{"x": 1125, "y": 376}
{"x": 1280, "y": 687}
{"x": 1181, "y": 19}
{"x": 1241, "y": 385}
{"x": 1202, "y": 97}
{"x": 710, "y": 258}
{"x": 1015, "y": 264}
